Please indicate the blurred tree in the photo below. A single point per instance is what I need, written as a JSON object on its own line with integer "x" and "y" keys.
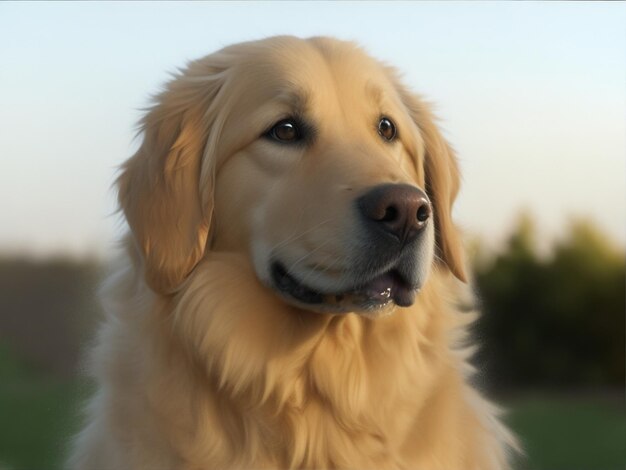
{"x": 553, "y": 321}
{"x": 588, "y": 280}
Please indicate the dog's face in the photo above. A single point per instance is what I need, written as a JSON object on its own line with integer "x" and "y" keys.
{"x": 307, "y": 156}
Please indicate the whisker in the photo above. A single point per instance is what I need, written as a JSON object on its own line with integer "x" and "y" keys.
{"x": 306, "y": 255}
{"x": 295, "y": 236}
{"x": 326, "y": 268}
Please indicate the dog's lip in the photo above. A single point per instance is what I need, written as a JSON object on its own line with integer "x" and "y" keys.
{"x": 378, "y": 292}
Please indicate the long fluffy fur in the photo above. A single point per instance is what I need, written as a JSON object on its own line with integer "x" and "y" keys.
{"x": 206, "y": 380}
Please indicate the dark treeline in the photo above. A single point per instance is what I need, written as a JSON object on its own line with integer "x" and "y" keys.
{"x": 547, "y": 321}
{"x": 553, "y": 320}
{"x": 47, "y": 311}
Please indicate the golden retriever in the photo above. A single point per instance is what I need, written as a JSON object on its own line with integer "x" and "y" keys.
{"x": 287, "y": 299}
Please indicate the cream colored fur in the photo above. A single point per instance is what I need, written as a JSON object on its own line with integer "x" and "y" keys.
{"x": 199, "y": 364}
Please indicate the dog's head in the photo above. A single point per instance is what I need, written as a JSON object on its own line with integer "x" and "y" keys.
{"x": 307, "y": 156}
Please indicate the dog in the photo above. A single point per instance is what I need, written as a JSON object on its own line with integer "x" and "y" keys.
{"x": 286, "y": 297}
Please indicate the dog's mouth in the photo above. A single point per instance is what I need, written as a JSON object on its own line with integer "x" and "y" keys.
{"x": 383, "y": 290}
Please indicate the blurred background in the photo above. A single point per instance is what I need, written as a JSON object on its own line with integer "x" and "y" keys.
{"x": 532, "y": 96}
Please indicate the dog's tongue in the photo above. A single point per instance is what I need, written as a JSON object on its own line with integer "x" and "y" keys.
{"x": 389, "y": 286}
{"x": 376, "y": 294}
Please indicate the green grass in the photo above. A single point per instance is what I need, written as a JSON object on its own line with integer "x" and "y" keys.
{"x": 38, "y": 418}
{"x": 38, "y": 415}
{"x": 570, "y": 433}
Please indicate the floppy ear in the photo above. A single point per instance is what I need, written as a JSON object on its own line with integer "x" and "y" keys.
{"x": 442, "y": 182}
{"x": 159, "y": 187}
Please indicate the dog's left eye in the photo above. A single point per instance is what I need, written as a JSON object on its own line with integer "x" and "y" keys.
{"x": 286, "y": 130}
{"x": 387, "y": 129}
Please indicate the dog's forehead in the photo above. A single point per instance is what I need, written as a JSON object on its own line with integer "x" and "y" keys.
{"x": 295, "y": 71}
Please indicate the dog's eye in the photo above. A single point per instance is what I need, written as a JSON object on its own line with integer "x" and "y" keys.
{"x": 387, "y": 129}
{"x": 285, "y": 131}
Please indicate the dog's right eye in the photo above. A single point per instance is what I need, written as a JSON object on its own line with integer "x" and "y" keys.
{"x": 285, "y": 131}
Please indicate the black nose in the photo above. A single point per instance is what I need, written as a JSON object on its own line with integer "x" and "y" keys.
{"x": 398, "y": 209}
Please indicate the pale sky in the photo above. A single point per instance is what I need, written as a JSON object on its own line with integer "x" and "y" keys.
{"x": 532, "y": 95}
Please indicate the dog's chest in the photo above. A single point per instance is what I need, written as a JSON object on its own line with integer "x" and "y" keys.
{"x": 350, "y": 402}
